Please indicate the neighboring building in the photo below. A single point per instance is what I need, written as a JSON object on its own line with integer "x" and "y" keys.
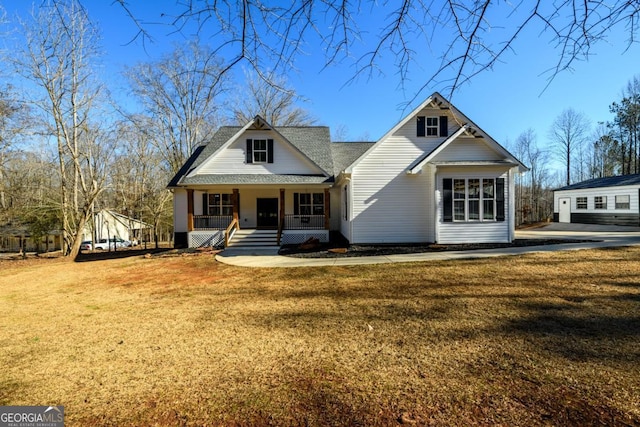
{"x": 434, "y": 177}
{"x": 612, "y": 201}
{"x": 14, "y": 238}
{"x": 107, "y": 224}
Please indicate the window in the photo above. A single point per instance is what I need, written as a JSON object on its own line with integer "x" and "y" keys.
{"x": 473, "y": 199}
{"x": 473, "y": 191}
{"x": 600, "y": 202}
{"x": 459, "y": 195}
{"x": 219, "y": 204}
{"x": 581, "y": 203}
{"x": 432, "y": 126}
{"x": 259, "y": 151}
{"x": 308, "y": 203}
{"x": 488, "y": 199}
{"x": 622, "y": 202}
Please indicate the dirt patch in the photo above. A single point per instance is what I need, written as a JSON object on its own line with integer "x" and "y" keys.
{"x": 333, "y": 250}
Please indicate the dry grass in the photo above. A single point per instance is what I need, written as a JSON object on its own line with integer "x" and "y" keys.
{"x": 545, "y": 339}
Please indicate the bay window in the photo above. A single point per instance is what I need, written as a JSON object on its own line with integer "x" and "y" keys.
{"x": 473, "y": 199}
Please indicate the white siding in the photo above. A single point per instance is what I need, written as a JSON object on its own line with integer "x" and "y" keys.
{"x": 345, "y": 208}
{"x": 591, "y": 193}
{"x": 390, "y": 206}
{"x": 286, "y": 159}
{"x": 334, "y": 195}
{"x": 387, "y": 204}
{"x": 180, "y": 211}
{"x": 475, "y": 232}
{"x": 467, "y": 149}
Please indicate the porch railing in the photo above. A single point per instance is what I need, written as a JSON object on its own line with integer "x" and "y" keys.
{"x": 304, "y": 222}
{"x": 210, "y": 222}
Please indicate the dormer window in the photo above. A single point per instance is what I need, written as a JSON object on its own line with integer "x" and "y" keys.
{"x": 259, "y": 151}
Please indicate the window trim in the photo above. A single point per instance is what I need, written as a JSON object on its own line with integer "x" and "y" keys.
{"x": 623, "y": 205}
{"x": 432, "y": 124}
{"x": 255, "y": 151}
{"x": 600, "y": 205}
{"x": 579, "y": 205}
{"x": 220, "y": 206}
{"x": 478, "y": 201}
{"x": 312, "y": 205}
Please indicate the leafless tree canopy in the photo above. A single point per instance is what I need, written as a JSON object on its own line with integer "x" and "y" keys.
{"x": 274, "y": 103}
{"x": 466, "y": 37}
{"x": 568, "y": 134}
{"x": 179, "y": 94}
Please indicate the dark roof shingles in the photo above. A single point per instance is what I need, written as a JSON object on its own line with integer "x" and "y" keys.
{"x": 313, "y": 141}
{"x": 611, "y": 181}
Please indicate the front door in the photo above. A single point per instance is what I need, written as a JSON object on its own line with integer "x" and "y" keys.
{"x": 267, "y": 213}
{"x": 564, "y": 209}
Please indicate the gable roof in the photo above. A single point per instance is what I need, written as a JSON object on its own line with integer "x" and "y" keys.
{"x": 313, "y": 142}
{"x": 611, "y": 181}
{"x": 468, "y": 125}
{"x": 417, "y": 166}
{"x": 127, "y": 221}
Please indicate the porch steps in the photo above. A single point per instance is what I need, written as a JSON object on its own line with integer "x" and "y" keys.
{"x": 252, "y": 239}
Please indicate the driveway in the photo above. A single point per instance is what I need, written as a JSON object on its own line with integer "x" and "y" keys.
{"x": 608, "y": 233}
{"x": 603, "y": 236}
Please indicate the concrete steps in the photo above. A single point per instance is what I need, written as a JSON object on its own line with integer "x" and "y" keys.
{"x": 252, "y": 239}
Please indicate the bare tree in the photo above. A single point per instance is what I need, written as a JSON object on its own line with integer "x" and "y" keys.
{"x": 60, "y": 44}
{"x": 533, "y": 201}
{"x": 138, "y": 177}
{"x": 340, "y": 133}
{"x": 13, "y": 119}
{"x": 180, "y": 93}
{"x": 467, "y": 37}
{"x": 568, "y": 133}
{"x": 271, "y": 100}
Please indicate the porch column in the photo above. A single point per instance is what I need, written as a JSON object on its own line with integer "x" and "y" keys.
{"x": 235, "y": 199}
{"x": 189, "y": 210}
{"x": 327, "y": 209}
{"x": 281, "y": 216}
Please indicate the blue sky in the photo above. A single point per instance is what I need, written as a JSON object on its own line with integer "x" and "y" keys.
{"x": 504, "y": 101}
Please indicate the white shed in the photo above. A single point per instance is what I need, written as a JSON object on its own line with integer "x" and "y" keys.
{"x": 611, "y": 201}
{"x": 107, "y": 223}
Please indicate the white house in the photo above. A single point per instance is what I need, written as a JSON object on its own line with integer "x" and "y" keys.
{"x": 613, "y": 201}
{"x": 434, "y": 177}
{"x": 107, "y": 224}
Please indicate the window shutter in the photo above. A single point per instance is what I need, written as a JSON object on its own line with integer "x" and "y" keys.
{"x": 269, "y": 150}
{"x": 447, "y": 200}
{"x": 444, "y": 126}
{"x": 205, "y": 204}
{"x": 249, "y": 151}
{"x": 500, "y": 199}
{"x": 421, "y": 126}
{"x": 296, "y": 204}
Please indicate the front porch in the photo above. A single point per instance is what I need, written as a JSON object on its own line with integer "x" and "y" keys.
{"x": 295, "y": 215}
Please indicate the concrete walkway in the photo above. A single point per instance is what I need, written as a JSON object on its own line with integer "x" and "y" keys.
{"x": 607, "y": 236}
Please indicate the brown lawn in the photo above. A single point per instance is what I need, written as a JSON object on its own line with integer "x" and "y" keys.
{"x": 545, "y": 339}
